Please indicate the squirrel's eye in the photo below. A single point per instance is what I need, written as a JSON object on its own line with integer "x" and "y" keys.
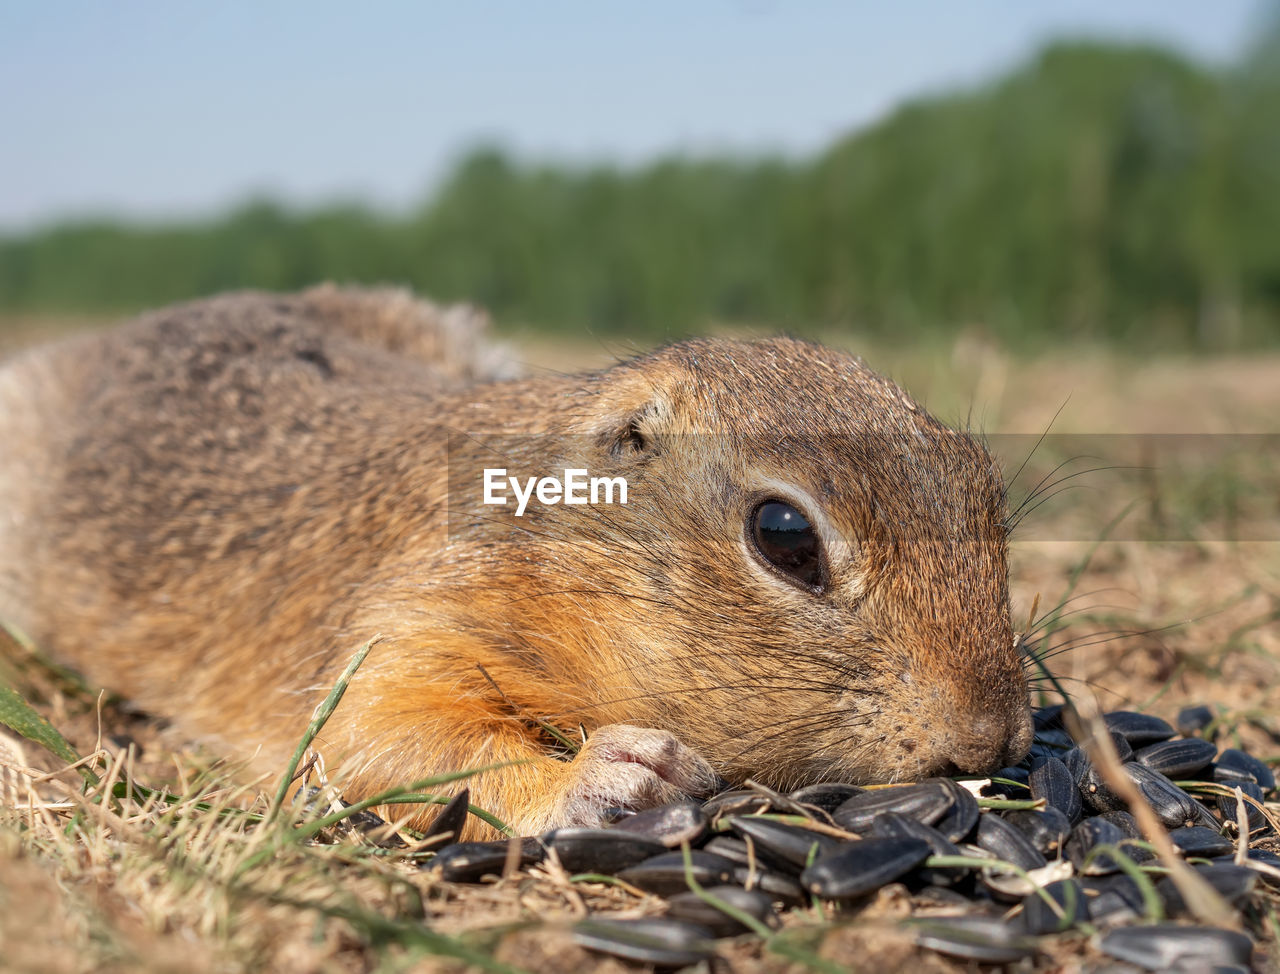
{"x": 787, "y": 541}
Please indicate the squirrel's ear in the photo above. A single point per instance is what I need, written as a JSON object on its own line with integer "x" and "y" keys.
{"x": 635, "y": 437}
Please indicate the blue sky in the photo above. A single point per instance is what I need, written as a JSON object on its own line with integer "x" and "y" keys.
{"x": 157, "y": 109}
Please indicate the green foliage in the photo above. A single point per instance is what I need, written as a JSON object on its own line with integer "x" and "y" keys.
{"x": 20, "y": 717}
{"x": 1113, "y": 193}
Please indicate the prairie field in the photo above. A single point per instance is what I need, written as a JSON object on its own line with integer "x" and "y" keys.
{"x": 1149, "y": 576}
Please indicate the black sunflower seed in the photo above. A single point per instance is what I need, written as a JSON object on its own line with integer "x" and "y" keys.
{"x": 731, "y": 847}
{"x": 746, "y": 853}
{"x": 1177, "y": 759}
{"x": 451, "y": 818}
{"x": 827, "y": 796}
{"x": 469, "y": 862}
{"x": 666, "y": 874}
{"x": 1098, "y": 795}
{"x": 1007, "y": 843}
{"x": 1040, "y": 918}
{"x": 1196, "y": 840}
{"x": 1124, "y": 749}
{"x": 984, "y": 939}
{"x": 925, "y": 802}
{"x": 1054, "y": 739}
{"x": 1001, "y": 788}
{"x": 1046, "y": 830}
{"x": 1192, "y": 720}
{"x": 1084, "y": 838}
{"x": 604, "y": 851}
{"x": 1043, "y": 718}
{"x": 1125, "y": 822}
{"x": 1051, "y": 781}
{"x": 893, "y": 825}
{"x": 1163, "y": 946}
{"x": 1116, "y": 898}
{"x": 957, "y": 822}
{"x": 1078, "y": 763}
{"x": 1234, "y": 765}
{"x": 1264, "y": 855}
{"x": 1173, "y": 806}
{"x": 793, "y": 844}
{"x": 777, "y": 884}
{"x": 740, "y": 802}
{"x": 670, "y": 824}
{"x": 1233, "y": 883}
{"x": 660, "y": 941}
{"x": 693, "y": 909}
{"x": 1138, "y": 729}
{"x": 863, "y": 866}
{"x": 1228, "y": 805}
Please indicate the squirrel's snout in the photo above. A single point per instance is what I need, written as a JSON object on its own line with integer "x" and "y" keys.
{"x": 988, "y": 742}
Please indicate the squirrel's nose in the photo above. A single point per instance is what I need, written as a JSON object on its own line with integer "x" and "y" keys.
{"x": 988, "y": 742}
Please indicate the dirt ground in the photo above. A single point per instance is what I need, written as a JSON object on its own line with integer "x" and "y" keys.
{"x": 1178, "y": 605}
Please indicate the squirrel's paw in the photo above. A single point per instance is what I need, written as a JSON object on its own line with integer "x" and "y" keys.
{"x": 622, "y": 766}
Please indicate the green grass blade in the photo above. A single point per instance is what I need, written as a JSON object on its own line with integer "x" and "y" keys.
{"x": 21, "y": 718}
{"x": 318, "y": 720}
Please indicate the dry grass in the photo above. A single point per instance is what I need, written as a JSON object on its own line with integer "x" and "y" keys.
{"x": 103, "y": 877}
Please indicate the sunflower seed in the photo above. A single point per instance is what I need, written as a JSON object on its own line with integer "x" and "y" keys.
{"x": 1233, "y": 883}
{"x": 470, "y": 862}
{"x": 660, "y": 941}
{"x": 958, "y": 821}
{"x": 451, "y": 818}
{"x": 692, "y": 908}
{"x": 893, "y": 825}
{"x": 604, "y": 851}
{"x": 1192, "y": 720}
{"x": 984, "y": 939}
{"x": 1235, "y": 765}
{"x": 1113, "y": 899}
{"x": 1165, "y": 945}
{"x": 827, "y": 796}
{"x": 1124, "y": 750}
{"x": 1098, "y": 795}
{"x": 1138, "y": 729}
{"x": 863, "y": 866}
{"x": 670, "y": 824}
{"x": 1001, "y": 789}
{"x": 1263, "y": 856}
{"x": 925, "y": 802}
{"x": 666, "y": 874}
{"x": 1039, "y": 918}
{"x": 778, "y": 885}
{"x": 740, "y": 802}
{"x": 794, "y": 845}
{"x": 1007, "y": 843}
{"x": 1078, "y": 763}
{"x": 1228, "y": 805}
{"x": 1125, "y": 823}
{"x": 1174, "y": 806}
{"x": 1090, "y": 833}
{"x": 1046, "y": 830}
{"x": 731, "y": 847}
{"x": 1196, "y": 840}
{"x": 1054, "y": 739}
{"x": 1043, "y": 718}
{"x": 1052, "y": 781}
{"x": 1177, "y": 759}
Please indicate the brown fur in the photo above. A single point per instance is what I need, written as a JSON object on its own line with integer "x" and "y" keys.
{"x": 209, "y": 508}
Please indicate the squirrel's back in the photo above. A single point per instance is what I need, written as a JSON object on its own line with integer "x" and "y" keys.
{"x": 165, "y": 436}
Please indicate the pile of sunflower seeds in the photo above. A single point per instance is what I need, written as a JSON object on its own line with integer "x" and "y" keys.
{"x": 1040, "y": 849}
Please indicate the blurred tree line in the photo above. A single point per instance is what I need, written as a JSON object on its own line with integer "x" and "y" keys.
{"x": 1106, "y": 192}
